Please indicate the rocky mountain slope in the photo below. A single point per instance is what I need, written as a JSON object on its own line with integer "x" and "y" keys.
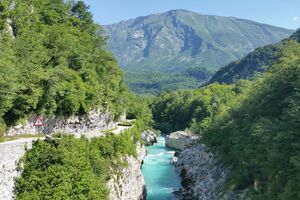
{"x": 257, "y": 61}
{"x": 178, "y": 39}
{"x": 175, "y": 41}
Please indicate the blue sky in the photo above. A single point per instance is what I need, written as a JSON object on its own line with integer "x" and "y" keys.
{"x": 283, "y": 13}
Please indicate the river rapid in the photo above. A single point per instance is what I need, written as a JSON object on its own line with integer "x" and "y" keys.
{"x": 160, "y": 176}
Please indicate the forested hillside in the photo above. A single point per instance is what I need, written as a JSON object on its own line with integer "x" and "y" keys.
{"x": 257, "y": 61}
{"x": 153, "y": 83}
{"x": 259, "y": 137}
{"x": 178, "y": 110}
{"x": 253, "y": 127}
{"x": 53, "y": 62}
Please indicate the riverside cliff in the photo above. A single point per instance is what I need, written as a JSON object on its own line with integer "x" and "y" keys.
{"x": 203, "y": 176}
{"x": 131, "y": 184}
{"x": 126, "y": 183}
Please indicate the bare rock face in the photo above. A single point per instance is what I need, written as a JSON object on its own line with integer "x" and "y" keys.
{"x": 179, "y": 39}
{"x": 128, "y": 185}
{"x": 131, "y": 184}
{"x": 149, "y": 137}
{"x": 11, "y": 152}
{"x": 181, "y": 140}
{"x": 89, "y": 125}
{"x": 202, "y": 176}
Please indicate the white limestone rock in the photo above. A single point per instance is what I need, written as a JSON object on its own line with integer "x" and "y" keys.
{"x": 131, "y": 185}
{"x": 149, "y": 137}
{"x": 89, "y": 125}
{"x": 11, "y": 152}
{"x": 181, "y": 140}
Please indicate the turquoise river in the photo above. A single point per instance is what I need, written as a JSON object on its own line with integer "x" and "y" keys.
{"x": 160, "y": 176}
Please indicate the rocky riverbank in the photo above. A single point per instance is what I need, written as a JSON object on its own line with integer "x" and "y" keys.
{"x": 181, "y": 140}
{"x": 126, "y": 184}
{"x": 149, "y": 137}
{"x": 203, "y": 177}
{"x": 130, "y": 185}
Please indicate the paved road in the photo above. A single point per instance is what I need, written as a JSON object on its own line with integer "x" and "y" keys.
{"x": 121, "y": 129}
{"x": 21, "y": 140}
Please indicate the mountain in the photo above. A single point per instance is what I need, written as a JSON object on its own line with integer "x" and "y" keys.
{"x": 175, "y": 41}
{"x": 257, "y": 61}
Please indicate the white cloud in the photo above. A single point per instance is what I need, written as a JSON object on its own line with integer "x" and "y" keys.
{"x": 296, "y": 18}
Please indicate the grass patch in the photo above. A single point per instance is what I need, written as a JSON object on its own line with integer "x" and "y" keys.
{"x": 109, "y": 130}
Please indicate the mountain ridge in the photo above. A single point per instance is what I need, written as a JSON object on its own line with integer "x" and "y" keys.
{"x": 256, "y": 61}
{"x": 174, "y": 41}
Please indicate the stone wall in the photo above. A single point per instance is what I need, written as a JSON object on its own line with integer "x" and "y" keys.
{"x": 89, "y": 125}
{"x": 10, "y": 154}
{"x": 131, "y": 185}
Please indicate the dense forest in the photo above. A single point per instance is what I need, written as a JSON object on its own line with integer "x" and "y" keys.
{"x": 253, "y": 127}
{"x": 259, "y": 136}
{"x": 153, "y": 83}
{"x": 53, "y": 62}
{"x": 178, "y": 110}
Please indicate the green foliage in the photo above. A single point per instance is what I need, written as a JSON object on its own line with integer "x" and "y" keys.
{"x": 153, "y": 83}
{"x": 55, "y": 62}
{"x": 253, "y": 127}
{"x": 256, "y": 62}
{"x": 181, "y": 109}
{"x": 259, "y": 136}
{"x": 64, "y": 168}
{"x": 70, "y": 168}
{"x": 138, "y": 107}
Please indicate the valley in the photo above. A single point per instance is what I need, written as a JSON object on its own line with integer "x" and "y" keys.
{"x": 157, "y": 51}
{"x": 175, "y": 105}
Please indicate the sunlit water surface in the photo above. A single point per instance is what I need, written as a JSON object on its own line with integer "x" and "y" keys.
{"x": 160, "y": 176}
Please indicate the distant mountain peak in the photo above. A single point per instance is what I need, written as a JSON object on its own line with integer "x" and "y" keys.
{"x": 177, "y": 40}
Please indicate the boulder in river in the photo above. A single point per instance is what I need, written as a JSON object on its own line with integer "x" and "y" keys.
{"x": 149, "y": 137}
{"x": 173, "y": 160}
{"x": 181, "y": 140}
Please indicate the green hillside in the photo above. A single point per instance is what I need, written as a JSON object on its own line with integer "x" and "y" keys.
{"x": 54, "y": 63}
{"x": 257, "y": 61}
{"x": 252, "y": 127}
